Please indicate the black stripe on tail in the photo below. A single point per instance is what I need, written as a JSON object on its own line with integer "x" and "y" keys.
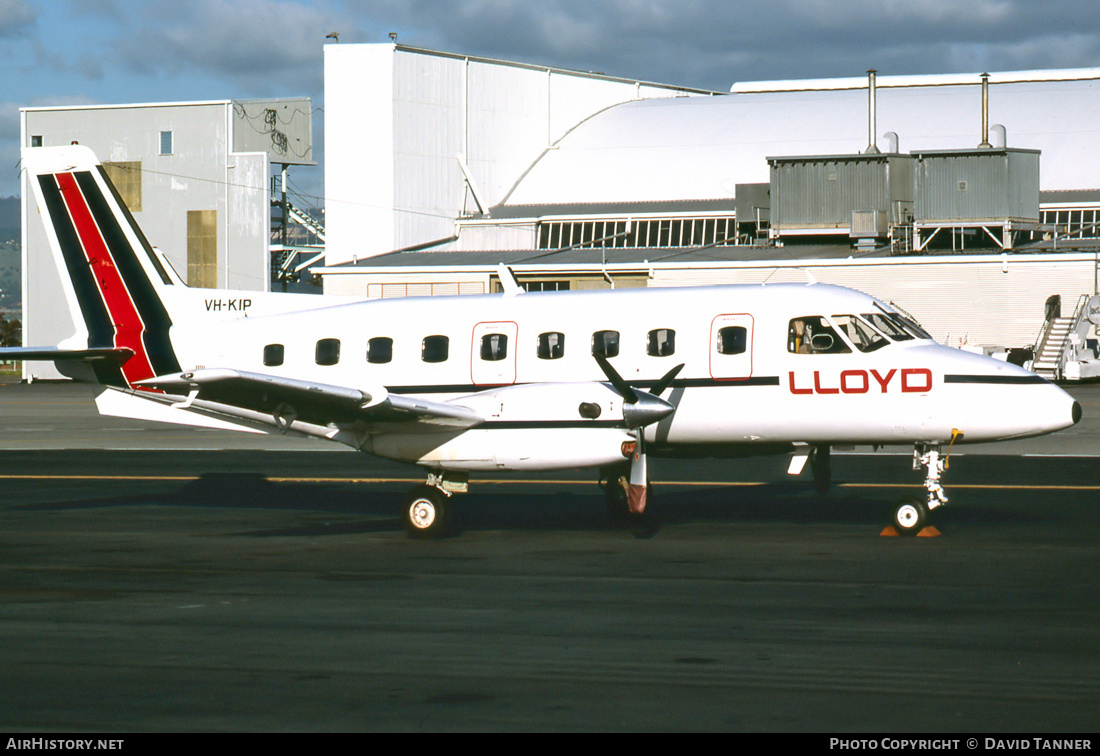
{"x": 101, "y": 332}
{"x": 155, "y": 317}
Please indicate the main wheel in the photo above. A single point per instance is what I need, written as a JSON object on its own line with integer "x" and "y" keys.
{"x": 613, "y": 494}
{"x": 910, "y": 515}
{"x": 427, "y": 512}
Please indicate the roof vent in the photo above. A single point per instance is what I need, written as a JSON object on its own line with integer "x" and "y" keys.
{"x": 872, "y": 148}
{"x": 985, "y": 145}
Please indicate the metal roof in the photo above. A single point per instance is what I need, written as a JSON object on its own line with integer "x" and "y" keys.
{"x": 598, "y": 257}
{"x": 700, "y": 148}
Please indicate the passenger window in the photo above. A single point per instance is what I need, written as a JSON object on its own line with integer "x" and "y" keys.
{"x": 328, "y": 352}
{"x": 859, "y": 333}
{"x": 551, "y": 345}
{"x": 814, "y": 335}
{"x": 662, "y": 342}
{"x": 606, "y": 343}
{"x": 379, "y": 350}
{"x": 273, "y": 355}
{"x": 494, "y": 347}
{"x": 733, "y": 340}
{"x": 435, "y": 348}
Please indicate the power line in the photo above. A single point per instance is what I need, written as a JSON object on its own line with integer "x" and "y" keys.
{"x": 325, "y": 200}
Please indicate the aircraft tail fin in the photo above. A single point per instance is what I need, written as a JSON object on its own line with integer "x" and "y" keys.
{"x": 112, "y": 276}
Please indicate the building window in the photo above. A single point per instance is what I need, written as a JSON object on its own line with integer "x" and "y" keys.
{"x": 545, "y": 285}
{"x": 551, "y": 346}
{"x": 646, "y": 232}
{"x": 606, "y": 343}
{"x": 733, "y": 340}
{"x": 494, "y": 347}
{"x": 379, "y": 350}
{"x": 36, "y": 140}
{"x": 273, "y": 355}
{"x": 328, "y": 352}
{"x": 435, "y": 348}
{"x": 662, "y": 342}
{"x": 166, "y": 143}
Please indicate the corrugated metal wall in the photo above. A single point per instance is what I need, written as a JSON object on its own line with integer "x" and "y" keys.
{"x": 823, "y": 192}
{"x": 979, "y": 185}
{"x": 994, "y": 300}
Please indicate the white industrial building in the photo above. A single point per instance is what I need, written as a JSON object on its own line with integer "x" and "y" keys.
{"x": 439, "y": 166}
{"x": 196, "y": 176}
{"x": 579, "y": 180}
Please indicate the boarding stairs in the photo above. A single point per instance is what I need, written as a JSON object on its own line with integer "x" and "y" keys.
{"x": 1062, "y": 348}
{"x": 286, "y": 263}
{"x": 303, "y": 218}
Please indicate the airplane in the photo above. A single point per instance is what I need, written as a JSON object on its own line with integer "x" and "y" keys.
{"x": 520, "y": 380}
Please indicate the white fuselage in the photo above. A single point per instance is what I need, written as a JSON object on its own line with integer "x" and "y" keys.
{"x": 744, "y": 384}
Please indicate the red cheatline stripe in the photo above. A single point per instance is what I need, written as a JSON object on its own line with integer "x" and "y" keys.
{"x": 128, "y": 324}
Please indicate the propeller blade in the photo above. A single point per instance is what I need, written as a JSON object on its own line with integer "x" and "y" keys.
{"x": 665, "y": 382}
{"x": 639, "y": 477}
{"x": 628, "y": 394}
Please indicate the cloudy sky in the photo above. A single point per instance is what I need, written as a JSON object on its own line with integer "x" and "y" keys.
{"x": 118, "y": 51}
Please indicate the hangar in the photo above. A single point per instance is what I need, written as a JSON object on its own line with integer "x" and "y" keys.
{"x": 965, "y": 198}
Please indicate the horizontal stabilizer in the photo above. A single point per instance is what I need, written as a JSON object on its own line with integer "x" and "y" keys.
{"x": 143, "y": 406}
{"x": 118, "y": 355}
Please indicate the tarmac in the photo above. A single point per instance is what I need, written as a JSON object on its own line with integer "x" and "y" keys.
{"x": 162, "y": 579}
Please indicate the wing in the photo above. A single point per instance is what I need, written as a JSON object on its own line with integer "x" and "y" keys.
{"x": 245, "y": 395}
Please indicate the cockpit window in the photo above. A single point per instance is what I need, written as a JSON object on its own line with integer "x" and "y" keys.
{"x": 904, "y": 322}
{"x": 888, "y": 326}
{"x": 813, "y": 335}
{"x": 913, "y": 327}
{"x": 865, "y": 338}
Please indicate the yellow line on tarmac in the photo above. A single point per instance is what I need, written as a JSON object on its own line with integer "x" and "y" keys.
{"x": 542, "y": 482}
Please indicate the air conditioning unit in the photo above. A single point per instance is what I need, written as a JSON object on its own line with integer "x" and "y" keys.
{"x": 868, "y": 224}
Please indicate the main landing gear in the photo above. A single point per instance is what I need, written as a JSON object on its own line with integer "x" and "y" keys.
{"x": 427, "y": 510}
{"x": 912, "y": 514}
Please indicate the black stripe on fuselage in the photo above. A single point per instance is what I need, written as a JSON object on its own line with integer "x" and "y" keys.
{"x": 543, "y": 424}
{"x": 154, "y": 317}
{"x": 469, "y": 388}
{"x": 1002, "y": 380}
{"x": 101, "y": 332}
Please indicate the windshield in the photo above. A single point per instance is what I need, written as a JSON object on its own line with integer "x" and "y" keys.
{"x": 905, "y": 322}
{"x": 888, "y": 326}
{"x": 865, "y": 338}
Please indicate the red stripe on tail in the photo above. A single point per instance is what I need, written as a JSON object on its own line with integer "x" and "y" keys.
{"x": 128, "y": 325}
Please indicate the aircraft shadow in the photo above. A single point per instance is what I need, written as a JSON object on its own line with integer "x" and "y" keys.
{"x": 540, "y": 510}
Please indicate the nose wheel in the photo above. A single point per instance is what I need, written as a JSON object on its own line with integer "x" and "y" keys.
{"x": 910, "y": 515}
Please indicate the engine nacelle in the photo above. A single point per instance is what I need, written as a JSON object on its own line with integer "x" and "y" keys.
{"x": 527, "y": 427}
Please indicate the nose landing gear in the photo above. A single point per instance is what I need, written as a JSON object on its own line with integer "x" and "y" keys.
{"x": 911, "y": 515}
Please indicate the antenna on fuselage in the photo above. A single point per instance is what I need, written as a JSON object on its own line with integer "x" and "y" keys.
{"x": 508, "y": 281}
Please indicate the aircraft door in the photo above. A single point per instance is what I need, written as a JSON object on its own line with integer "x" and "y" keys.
{"x": 731, "y": 347}
{"x": 493, "y": 354}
